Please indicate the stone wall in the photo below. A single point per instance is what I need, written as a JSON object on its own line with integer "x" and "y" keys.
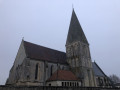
{"x": 54, "y": 88}
{"x": 15, "y": 71}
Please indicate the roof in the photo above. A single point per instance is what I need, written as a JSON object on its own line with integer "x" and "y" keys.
{"x": 38, "y": 52}
{"x": 63, "y": 75}
{"x": 97, "y": 70}
{"x": 75, "y": 31}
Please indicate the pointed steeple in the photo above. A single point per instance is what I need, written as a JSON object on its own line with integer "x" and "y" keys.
{"x": 75, "y": 31}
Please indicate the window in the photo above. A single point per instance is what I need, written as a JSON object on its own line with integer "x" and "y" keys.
{"x": 49, "y": 84}
{"x": 70, "y": 83}
{"x": 28, "y": 77}
{"x": 100, "y": 81}
{"x": 77, "y": 84}
{"x": 51, "y": 70}
{"x": 105, "y": 81}
{"x": 89, "y": 77}
{"x": 67, "y": 83}
{"x": 36, "y": 71}
{"x": 62, "y": 83}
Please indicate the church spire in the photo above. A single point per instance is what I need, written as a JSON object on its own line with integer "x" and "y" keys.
{"x": 75, "y": 31}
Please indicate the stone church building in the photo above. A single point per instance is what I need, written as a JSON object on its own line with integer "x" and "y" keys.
{"x": 37, "y": 65}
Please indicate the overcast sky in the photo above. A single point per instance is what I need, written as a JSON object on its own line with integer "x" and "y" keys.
{"x": 46, "y": 22}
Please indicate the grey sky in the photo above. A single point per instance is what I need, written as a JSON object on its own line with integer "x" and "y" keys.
{"x": 46, "y": 22}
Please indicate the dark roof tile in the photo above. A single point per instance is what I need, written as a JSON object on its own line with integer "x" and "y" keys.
{"x": 97, "y": 70}
{"x": 38, "y": 52}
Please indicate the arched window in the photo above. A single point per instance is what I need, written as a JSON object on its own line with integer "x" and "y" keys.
{"x": 51, "y": 70}
{"x": 36, "y": 71}
{"x": 89, "y": 76}
{"x": 105, "y": 81}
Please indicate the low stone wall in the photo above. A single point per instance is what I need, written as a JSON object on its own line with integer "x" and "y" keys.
{"x": 53, "y": 88}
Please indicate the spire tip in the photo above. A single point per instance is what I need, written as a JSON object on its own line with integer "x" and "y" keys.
{"x": 72, "y": 7}
{"x": 22, "y": 38}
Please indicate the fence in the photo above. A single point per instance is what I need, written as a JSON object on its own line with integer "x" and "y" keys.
{"x": 53, "y": 88}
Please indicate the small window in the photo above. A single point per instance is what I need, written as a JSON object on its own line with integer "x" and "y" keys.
{"x": 67, "y": 83}
{"x": 77, "y": 84}
{"x": 46, "y": 64}
{"x": 73, "y": 84}
{"x": 51, "y": 70}
{"x": 70, "y": 83}
{"x": 62, "y": 84}
{"x": 36, "y": 71}
{"x": 105, "y": 81}
{"x": 49, "y": 84}
{"x": 28, "y": 77}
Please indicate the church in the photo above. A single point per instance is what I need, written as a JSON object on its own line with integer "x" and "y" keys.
{"x": 37, "y": 65}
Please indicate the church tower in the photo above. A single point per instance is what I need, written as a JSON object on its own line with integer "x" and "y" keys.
{"x": 78, "y": 53}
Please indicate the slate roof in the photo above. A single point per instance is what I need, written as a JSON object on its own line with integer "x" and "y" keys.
{"x": 38, "y": 52}
{"x": 97, "y": 70}
{"x": 75, "y": 31}
{"x": 63, "y": 75}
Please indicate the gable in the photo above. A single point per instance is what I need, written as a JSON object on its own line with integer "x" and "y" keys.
{"x": 21, "y": 55}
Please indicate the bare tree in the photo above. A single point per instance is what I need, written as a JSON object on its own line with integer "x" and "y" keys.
{"x": 114, "y": 78}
